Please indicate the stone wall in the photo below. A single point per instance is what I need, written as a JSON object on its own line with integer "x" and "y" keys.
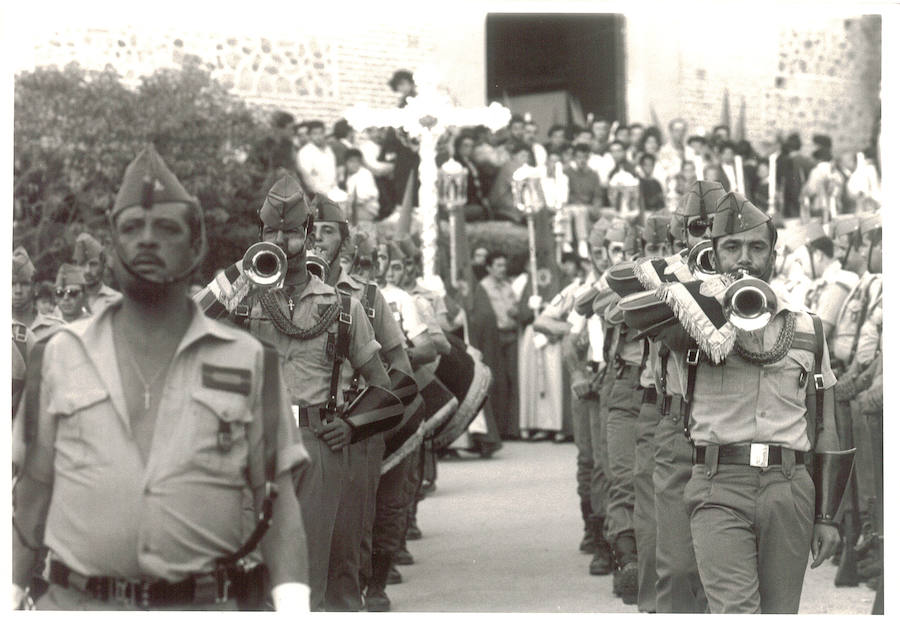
{"x": 812, "y": 75}
{"x": 310, "y": 76}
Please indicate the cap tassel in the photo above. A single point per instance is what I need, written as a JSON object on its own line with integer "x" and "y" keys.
{"x": 147, "y": 193}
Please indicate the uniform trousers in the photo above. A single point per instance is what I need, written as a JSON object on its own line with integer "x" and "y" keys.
{"x": 863, "y": 461}
{"x": 69, "y": 599}
{"x": 644, "y": 509}
{"x": 374, "y": 454}
{"x": 752, "y": 529}
{"x": 320, "y": 498}
{"x": 590, "y": 441}
{"x": 343, "y": 593}
{"x": 678, "y": 587}
{"x": 395, "y": 493}
{"x": 505, "y": 388}
{"x": 624, "y": 405}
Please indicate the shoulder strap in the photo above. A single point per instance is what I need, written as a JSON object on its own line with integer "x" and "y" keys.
{"x": 644, "y": 355}
{"x": 813, "y": 426}
{"x": 863, "y": 316}
{"x": 341, "y": 350}
{"x": 664, "y": 354}
{"x": 369, "y": 304}
{"x": 271, "y": 391}
{"x": 32, "y": 394}
{"x": 692, "y": 360}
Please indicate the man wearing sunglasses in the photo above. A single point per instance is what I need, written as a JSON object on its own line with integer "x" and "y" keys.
{"x": 71, "y": 298}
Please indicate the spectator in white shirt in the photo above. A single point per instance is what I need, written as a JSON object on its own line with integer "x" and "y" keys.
{"x": 361, "y": 188}
{"x": 539, "y": 152}
{"x": 316, "y": 162}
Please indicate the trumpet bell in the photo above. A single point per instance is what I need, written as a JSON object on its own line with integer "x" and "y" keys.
{"x": 265, "y": 265}
{"x": 316, "y": 265}
{"x": 749, "y": 304}
{"x": 701, "y": 260}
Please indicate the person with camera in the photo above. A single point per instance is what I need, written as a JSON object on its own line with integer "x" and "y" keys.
{"x": 137, "y": 415}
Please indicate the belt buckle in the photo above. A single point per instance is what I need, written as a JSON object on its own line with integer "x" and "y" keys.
{"x": 122, "y": 591}
{"x": 759, "y": 455}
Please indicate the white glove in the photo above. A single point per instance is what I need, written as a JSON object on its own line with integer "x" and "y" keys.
{"x": 18, "y": 597}
{"x": 540, "y": 341}
{"x": 535, "y": 302}
{"x": 291, "y": 597}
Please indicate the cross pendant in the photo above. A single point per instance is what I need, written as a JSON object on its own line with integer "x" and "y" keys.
{"x": 146, "y": 399}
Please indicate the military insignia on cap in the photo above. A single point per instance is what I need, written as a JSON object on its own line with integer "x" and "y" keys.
{"x": 544, "y": 277}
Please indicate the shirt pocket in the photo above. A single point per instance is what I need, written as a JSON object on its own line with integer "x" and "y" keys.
{"x": 82, "y": 423}
{"x": 220, "y": 446}
{"x": 796, "y": 377}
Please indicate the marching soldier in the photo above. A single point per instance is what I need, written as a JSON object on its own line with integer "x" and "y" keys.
{"x": 754, "y": 509}
{"x": 133, "y": 421}
{"x": 22, "y": 298}
{"x": 654, "y": 243}
{"x": 331, "y": 236}
{"x": 561, "y": 319}
{"x": 315, "y": 329}
{"x": 830, "y": 283}
{"x": 91, "y": 257}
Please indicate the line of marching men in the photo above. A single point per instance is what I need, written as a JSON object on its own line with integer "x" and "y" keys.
{"x": 681, "y": 417}
{"x": 349, "y": 383}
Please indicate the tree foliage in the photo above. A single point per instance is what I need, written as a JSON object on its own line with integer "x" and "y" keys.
{"x": 77, "y": 130}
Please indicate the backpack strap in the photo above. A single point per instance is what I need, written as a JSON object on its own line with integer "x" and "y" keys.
{"x": 271, "y": 393}
{"x": 341, "y": 351}
{"x": 369, "y": 305}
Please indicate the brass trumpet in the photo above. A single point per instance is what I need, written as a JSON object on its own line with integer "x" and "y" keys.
{"x": 749, "y": 303}
{"x": 701, "y": 260}
{"x": 316, "y": 264}
{"x": 265, "y": 265}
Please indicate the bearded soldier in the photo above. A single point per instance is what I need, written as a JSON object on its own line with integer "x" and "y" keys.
{"x": 133, "y": 420}
{"x": 754, "y": 509}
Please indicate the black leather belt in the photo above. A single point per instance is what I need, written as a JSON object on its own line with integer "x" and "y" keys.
{"x": 756, "y": 455}
{"x": 214, "y": 587}
{"x": 649, "y": 395}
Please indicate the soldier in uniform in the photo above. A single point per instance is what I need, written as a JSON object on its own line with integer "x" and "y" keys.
{"x": 303, "y": 321}
{"x": 71, "y": 298}
{"x": 753, "y": 507}
{"x": 331, "y": 234}
{"x": 654, "y": 243}
{"x": 396, "y": 488}
{"x": 830, "y": 283}
{"x": 584, "y": 363}
{"x": 625, "y": 398}
{"x": 136, "y": 421}
{"x": 89, "y": 254}
{"x": 22, "y": 298}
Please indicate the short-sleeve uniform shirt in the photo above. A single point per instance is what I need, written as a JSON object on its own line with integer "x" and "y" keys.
{"x": 740, "y": 402}
{"x": 112, "y": 515}
{"x": 308, "y": 363}
{"x": 856, "y": 310}
{"x": 405, "y": 311}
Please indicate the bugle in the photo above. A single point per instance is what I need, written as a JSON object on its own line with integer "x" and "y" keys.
{"x": 265, "y": 265}
{"x": 701, "y": 260}
{"x": 749, "y": 303}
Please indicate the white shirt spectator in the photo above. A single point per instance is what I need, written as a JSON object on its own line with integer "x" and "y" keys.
{"x": 602, "y": 165}
{"x": 318, "y": 167}
{"x": 540, "y": 155}
{"x": 364, "y": 193}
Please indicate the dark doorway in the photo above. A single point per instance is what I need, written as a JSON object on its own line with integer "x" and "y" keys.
{"x": 581, "y": 54}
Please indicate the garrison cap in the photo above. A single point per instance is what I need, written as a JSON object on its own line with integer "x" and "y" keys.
{"x": 736, "y": 214}
{"x": 409, "y": 248}
{"x": 149, "y": 181}
{"x": 617, "y": 232}
{"x": 655, "y": 229}
{"x": 87, "y": 248}
{"x": 701, "y": 199}
{"x": 285, "y": 206}
{"x": 869, "y": 222}
{"x": 814, "y": 232}
{"x": 598, "y": 232}
{"x": 327, "y": 210}
{"x": 22, "y": 268}
{"x": 676, "y": 226}
{"x": 69, "y": 274}
{"x": 843, "y": 225}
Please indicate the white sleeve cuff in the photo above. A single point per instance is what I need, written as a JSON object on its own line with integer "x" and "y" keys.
{"x": 292, "y": 597}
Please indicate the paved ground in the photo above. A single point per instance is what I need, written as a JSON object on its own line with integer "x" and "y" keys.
{"x": 501, "y": 535}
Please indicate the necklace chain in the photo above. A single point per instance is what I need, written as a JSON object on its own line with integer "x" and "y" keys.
{"x": 147, "y": 385}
